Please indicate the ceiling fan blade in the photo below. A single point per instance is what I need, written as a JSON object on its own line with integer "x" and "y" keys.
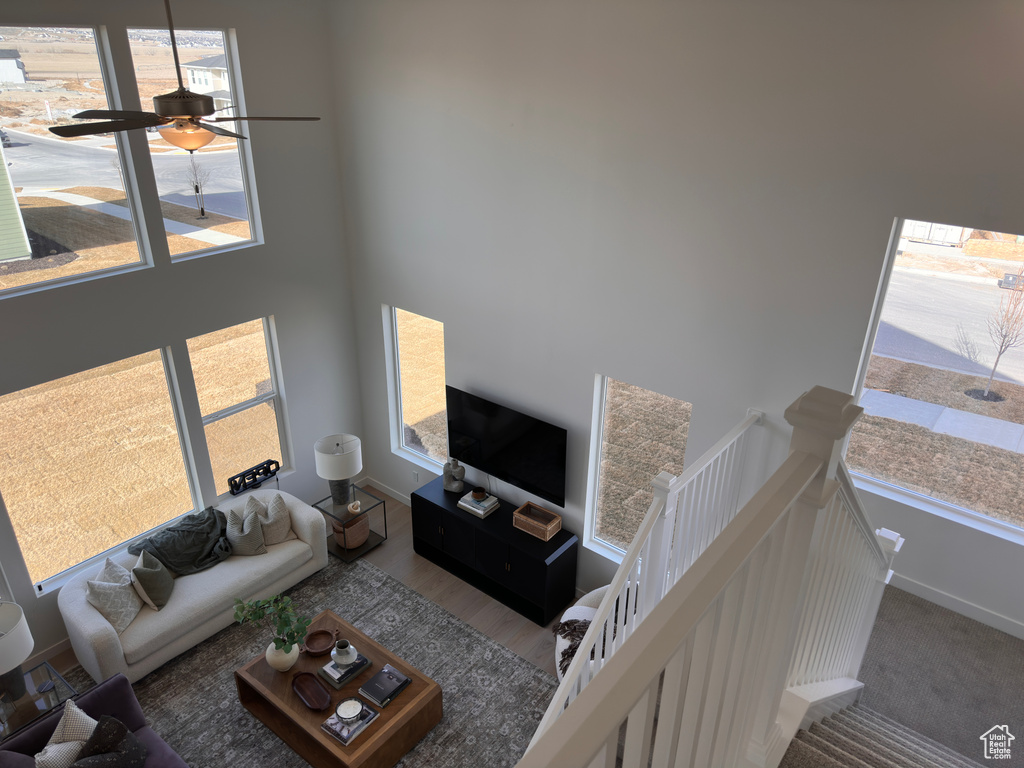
{"x": 118, "y": 114}
{"x": 240, "y": 117}
{"x": 217, "y": 130}
{"x": 91, "y": 129}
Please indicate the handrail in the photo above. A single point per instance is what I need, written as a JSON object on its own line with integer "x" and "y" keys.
{"x": 668, "y": 636}
{"x": 661, "y": 544}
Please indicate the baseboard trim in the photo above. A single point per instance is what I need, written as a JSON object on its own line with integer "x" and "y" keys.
{"x": 964, "y": 608}
{"x": 402, "y": 497}
{"x": 47, "y": 654}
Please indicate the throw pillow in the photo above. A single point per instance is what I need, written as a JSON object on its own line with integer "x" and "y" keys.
{"x": 112, "y": 745}
{"x": 113, "y": 595}
{"x": 277, "y": 521}
{"x": 152, "y": 581}
{"x": 73, "y": 729}
{"x": 245, "y": 533}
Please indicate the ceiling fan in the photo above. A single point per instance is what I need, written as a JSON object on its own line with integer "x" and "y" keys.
{"x": 183, "y": 118}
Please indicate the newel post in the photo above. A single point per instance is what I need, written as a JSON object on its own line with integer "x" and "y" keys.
{"x": 821, "y": 419}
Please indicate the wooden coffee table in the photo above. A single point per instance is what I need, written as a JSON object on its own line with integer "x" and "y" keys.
{"x": 401, "y": 724}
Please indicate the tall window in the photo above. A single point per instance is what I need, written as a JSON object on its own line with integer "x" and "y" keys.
{"x": 202, "y": 194}
{"x": 237, "y": 398}
{"x": 90, "y": 460}
{"x": 63, "y": 186}
{"x": 71, "y": 214}
{"x": 943, "y": 388}
{"x": 419, "y": 350}
{"x": 642, "y": 433}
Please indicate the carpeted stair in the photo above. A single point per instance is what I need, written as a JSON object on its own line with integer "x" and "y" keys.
{"x": 860, "y": 738}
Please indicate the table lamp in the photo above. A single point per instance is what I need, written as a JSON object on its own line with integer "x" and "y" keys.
{"x": 339, "y": 458}
{"x": 15, "y": 646}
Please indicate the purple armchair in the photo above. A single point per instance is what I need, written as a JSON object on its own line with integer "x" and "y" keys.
{"x": 114, "y": 697}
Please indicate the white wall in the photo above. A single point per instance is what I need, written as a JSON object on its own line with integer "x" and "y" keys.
{"x": 300, "y": 274}
{"x": 694, "y": 197}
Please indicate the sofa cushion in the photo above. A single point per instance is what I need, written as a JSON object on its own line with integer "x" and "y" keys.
{"x": 73, "y": 730}
{"x": 201, "y": 596}
{"x": 245, "y": 533}
{"x": 152, "y": 581}
{"x": 113, "y": 595}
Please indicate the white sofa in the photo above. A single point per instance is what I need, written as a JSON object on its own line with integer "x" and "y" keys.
{"x": 200, "y": 604}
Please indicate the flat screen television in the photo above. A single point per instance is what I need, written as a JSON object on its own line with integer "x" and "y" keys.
{"x": 511, "y": 446}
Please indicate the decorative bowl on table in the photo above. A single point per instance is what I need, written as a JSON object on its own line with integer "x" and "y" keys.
{"x": 319, "y": 641}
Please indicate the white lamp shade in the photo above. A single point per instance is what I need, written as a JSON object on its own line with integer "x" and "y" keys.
{"x": 16, "y": 641}
{"x": 338, "y": 457}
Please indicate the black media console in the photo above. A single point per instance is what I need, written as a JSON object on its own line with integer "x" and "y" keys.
{"x": 534, "y": 577}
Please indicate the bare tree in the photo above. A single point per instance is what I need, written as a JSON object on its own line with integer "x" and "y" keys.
{"x": 1006, "y": 325}
{"x": 198, "y": 176}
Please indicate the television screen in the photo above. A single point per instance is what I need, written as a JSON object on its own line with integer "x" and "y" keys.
{"x": 509, "y": 445}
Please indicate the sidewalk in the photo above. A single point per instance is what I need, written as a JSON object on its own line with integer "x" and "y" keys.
{"x": 945, "y": 421}
{"x": 210, "y": 236}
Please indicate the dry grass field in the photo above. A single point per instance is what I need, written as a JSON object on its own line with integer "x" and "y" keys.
{"x": 93, "y": 459}
{"x": 962, "y": 472}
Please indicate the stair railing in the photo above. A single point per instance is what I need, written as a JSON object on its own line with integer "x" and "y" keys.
{"x": 686, "y": 514}
{"x": 701, "y": 680}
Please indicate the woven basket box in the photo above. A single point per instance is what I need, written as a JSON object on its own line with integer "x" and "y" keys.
{"x": 536, "y": 521}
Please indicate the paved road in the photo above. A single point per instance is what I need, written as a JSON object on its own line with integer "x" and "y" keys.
{"x": 39, "y": 162}
{"x": 920, "y": 318}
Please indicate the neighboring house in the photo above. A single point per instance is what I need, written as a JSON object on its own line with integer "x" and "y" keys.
{"x": 13, "y": 237}
{"x": 209, "y": 75}
{"x": 12, "y": 68}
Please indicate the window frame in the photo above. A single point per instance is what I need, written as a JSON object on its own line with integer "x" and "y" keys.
{"x": 867, "y": 483}
{"x": 117, "y": 70}
{"x": 590, "y": 538}
{"x": 184, "y": 403}
{"x": 396, "y": 422}
{"x": 274, "y": 396}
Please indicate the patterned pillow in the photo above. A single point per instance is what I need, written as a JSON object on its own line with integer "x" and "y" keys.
{"x": 152, "y": 581}
{"x": 113, "y": 595}
{"x": 73, "y": 730}
{"x": 276, "y": 521}
{"x": 245, "y": 533}
{"x": 112, "y": 745}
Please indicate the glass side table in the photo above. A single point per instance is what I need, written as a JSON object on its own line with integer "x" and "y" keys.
{"x": 45, "y": 689}
{"x": 350, "y": 536}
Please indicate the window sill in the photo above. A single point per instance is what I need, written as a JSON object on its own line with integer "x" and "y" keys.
{"x": 945, "y": 510}
{"x": 603, "y": 548}
{"x": 421, "y": 461}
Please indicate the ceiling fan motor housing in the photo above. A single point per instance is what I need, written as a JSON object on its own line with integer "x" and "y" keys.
{"x": 183, "y": 103}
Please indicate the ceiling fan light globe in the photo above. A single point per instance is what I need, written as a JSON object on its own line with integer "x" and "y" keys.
{"x": 186, "y": 135}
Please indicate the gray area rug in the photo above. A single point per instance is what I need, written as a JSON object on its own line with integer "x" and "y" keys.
{"x": 943, "y": 675}
{"x": 493, "y": 699}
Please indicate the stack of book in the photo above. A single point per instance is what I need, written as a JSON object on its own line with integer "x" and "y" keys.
{"x": 346, "y": 730}
{"x": 479, "y": 507}
{"x": 338, "y": 674}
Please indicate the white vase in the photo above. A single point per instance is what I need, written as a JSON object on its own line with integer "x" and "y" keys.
{"x": 282, "y": 661}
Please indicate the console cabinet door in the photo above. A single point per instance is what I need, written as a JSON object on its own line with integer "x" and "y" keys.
{"x": 492, "y": 558}
{"x": 458, "y": 538}
{"x": 528, "y": 574}
{"x": 426, "y": 523}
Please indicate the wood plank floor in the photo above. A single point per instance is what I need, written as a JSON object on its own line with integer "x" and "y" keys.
{"x": 395, "y": 556}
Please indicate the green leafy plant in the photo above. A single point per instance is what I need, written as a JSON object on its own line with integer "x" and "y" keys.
{"x": 289, "y": 629}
